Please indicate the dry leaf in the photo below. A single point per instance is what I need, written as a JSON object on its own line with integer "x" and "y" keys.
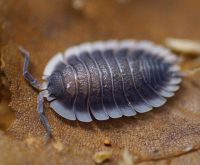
{"x": 47, "y": 27}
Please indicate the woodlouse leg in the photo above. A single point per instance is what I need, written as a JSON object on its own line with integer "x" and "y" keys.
{"x": 26, "y": 73}
{"x": 43, "y": 117}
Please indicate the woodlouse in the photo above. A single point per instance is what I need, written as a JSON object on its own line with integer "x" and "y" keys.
{"x": 106, "y": 79}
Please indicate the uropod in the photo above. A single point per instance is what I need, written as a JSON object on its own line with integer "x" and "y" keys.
{"x": 106, "y": 79}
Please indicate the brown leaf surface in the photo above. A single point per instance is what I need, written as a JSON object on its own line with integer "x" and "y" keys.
{"x": 168, "y": 135}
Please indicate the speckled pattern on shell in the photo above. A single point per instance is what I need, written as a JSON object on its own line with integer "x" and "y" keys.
{"x": 111, "y": 79}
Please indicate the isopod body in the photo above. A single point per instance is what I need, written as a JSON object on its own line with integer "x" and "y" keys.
{"x": 109, "y": 79}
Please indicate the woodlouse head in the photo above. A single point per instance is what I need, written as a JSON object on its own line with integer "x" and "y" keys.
{"x": 55, "y": 84}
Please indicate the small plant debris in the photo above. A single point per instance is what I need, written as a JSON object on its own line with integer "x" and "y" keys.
{"x": 102, "y": 156}
{"x": 127, "y": 158}
{"x": 107, "y": 142}
{"x": 184, "y": 46}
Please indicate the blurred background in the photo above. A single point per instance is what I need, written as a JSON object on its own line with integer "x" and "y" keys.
{"x": 68, "y": 22}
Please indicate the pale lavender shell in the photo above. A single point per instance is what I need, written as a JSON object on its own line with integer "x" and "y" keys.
{"x": 110, "y": 79}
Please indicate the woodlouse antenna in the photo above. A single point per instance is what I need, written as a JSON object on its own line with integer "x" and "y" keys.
{"x": 37, "y": 85}
{"x": 26, "y": 73}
